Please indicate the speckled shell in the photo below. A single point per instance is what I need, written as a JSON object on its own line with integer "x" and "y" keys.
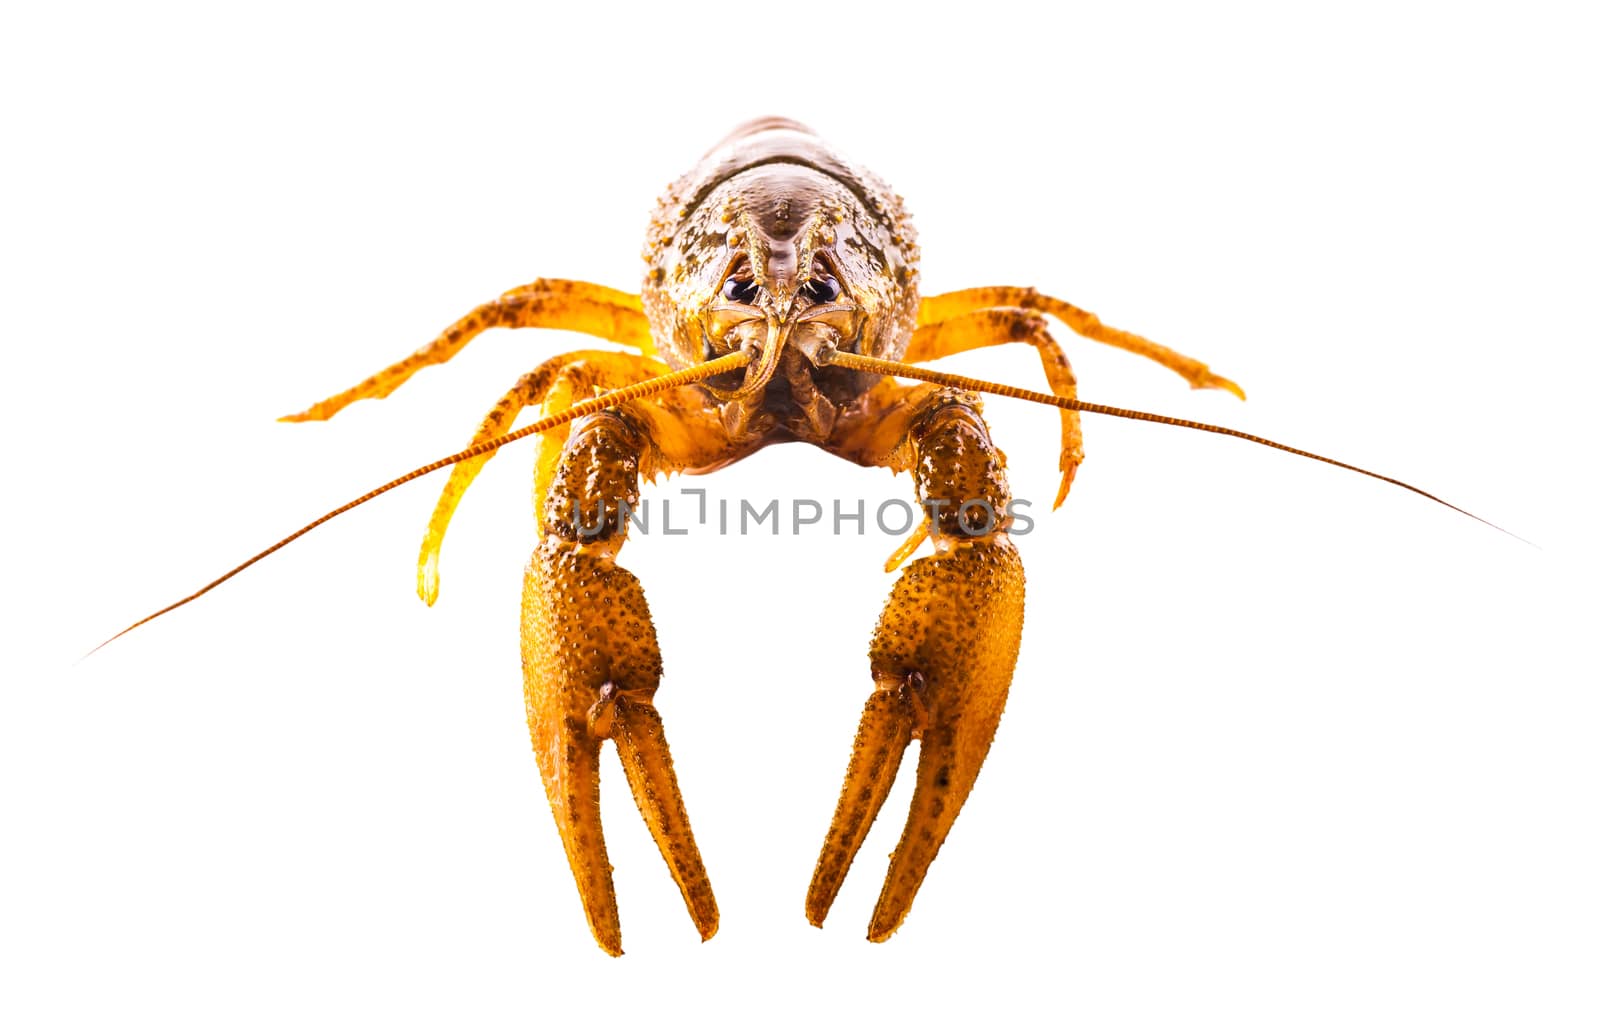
{"x": 769, "y": 179}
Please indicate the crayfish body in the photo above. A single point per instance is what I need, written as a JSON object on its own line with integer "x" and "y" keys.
{"x": 779, "y": 260}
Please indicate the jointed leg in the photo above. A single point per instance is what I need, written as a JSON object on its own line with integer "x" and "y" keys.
{"x": 565, "y": 305}
{"x": 555, "y": 384}
{"x": 591, "y": 667}
{"x": 996, "y": 326}
{"x": 936, "y": 308}
{"x": 941, "y": 657}
{"x": 686, "y": 434}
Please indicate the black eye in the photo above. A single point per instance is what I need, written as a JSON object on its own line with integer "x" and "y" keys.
{"x": 740, "y": 291}
{"x": 821, "y": 290}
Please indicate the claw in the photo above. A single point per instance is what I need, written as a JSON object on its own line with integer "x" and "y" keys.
{"x": 591, "y": 667}
{"x": 1206, "y": 379}
{"x": 942, "y": 658}
{"x": 1070, "y": 461}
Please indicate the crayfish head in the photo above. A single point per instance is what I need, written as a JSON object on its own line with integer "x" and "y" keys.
{"x": 776, "y": 291}
{"x": 777, "y": 274}
{"x": 775, "y": 246}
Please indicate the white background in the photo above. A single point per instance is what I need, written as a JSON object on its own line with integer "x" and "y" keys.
{"x": 1284, "y": 744}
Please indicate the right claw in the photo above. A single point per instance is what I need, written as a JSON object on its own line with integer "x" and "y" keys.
{"x": 591, "y": 667}
{"x": 942, "y": 659}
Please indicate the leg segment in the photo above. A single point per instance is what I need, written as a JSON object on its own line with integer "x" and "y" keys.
{"x": 938, "y": 308}
{"x": 555, "y": 384}
{"x": 591, "y": 667}
{"x": 564, "y": 305}
{"x": 997, "y": 325}
{"x": 941, "y": 657}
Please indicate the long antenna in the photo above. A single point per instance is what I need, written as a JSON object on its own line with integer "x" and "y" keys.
{"x": 892, "y": 368}
{"x": 616, "y": 397}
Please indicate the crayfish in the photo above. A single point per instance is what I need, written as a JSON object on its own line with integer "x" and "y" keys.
{"x": 780, "y": 303}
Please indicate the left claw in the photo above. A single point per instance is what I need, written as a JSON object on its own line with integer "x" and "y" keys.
{"x": 592, "y": 667}
{"x": 942, "y": 658}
